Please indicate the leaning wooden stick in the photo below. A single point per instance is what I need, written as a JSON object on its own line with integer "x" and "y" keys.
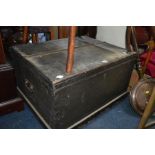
{"x": 148, "y": 110}
{"x": 71, "y": 45}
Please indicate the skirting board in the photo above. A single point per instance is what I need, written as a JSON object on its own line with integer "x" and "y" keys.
{"x": 80, "y": 121}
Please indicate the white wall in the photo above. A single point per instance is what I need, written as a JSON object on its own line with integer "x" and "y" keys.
{"x": 112, "y": 34}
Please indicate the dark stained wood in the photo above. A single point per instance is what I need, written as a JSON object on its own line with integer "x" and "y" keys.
{"x": 25, "y": 34}
{"x": 2, "y": 55}
{"x": 8, "y": 106}
{"x": 59, "y": 32}
{"x": 51, "y": 35}
{"x": 90, "y": 31}
{"x": 8, "y": 94}
{"x": 63, "y": 32}
{"x": 143, "y": 35}
{"x": 152, "y": 31}
{"x": 34, "y": 30}
{"x": 7, "y": 83}
{"x": 71, "y": 45}
{"x": 34, "y": 38}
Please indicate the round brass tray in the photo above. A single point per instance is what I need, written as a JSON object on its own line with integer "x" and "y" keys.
{"x": 141, "y": 93}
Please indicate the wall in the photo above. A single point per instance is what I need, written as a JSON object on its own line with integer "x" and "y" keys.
{"x": 112, "y": 34}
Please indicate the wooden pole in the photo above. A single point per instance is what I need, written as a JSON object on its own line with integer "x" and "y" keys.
{"x": 2, "y": 55}
{"x": 138, "y": 65}
{"x": 25, "y": 34}
{"x": 51, "y": 34}
{"x": 148, "y": 110}
{"x": 34, "y": 38}
{"x": 71, "y": 44}
{"x": 60, "y": 32}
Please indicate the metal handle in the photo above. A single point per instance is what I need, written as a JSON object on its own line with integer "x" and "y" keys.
{"x": 29, "y": 85}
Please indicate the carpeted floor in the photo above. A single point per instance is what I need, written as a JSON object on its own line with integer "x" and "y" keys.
{"x": 118, "y": 116}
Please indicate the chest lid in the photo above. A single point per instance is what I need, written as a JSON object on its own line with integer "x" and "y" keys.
{"x": 50, "y": 57}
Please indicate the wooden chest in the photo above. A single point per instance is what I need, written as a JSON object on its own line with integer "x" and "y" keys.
{"x": 101, "y": 74}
